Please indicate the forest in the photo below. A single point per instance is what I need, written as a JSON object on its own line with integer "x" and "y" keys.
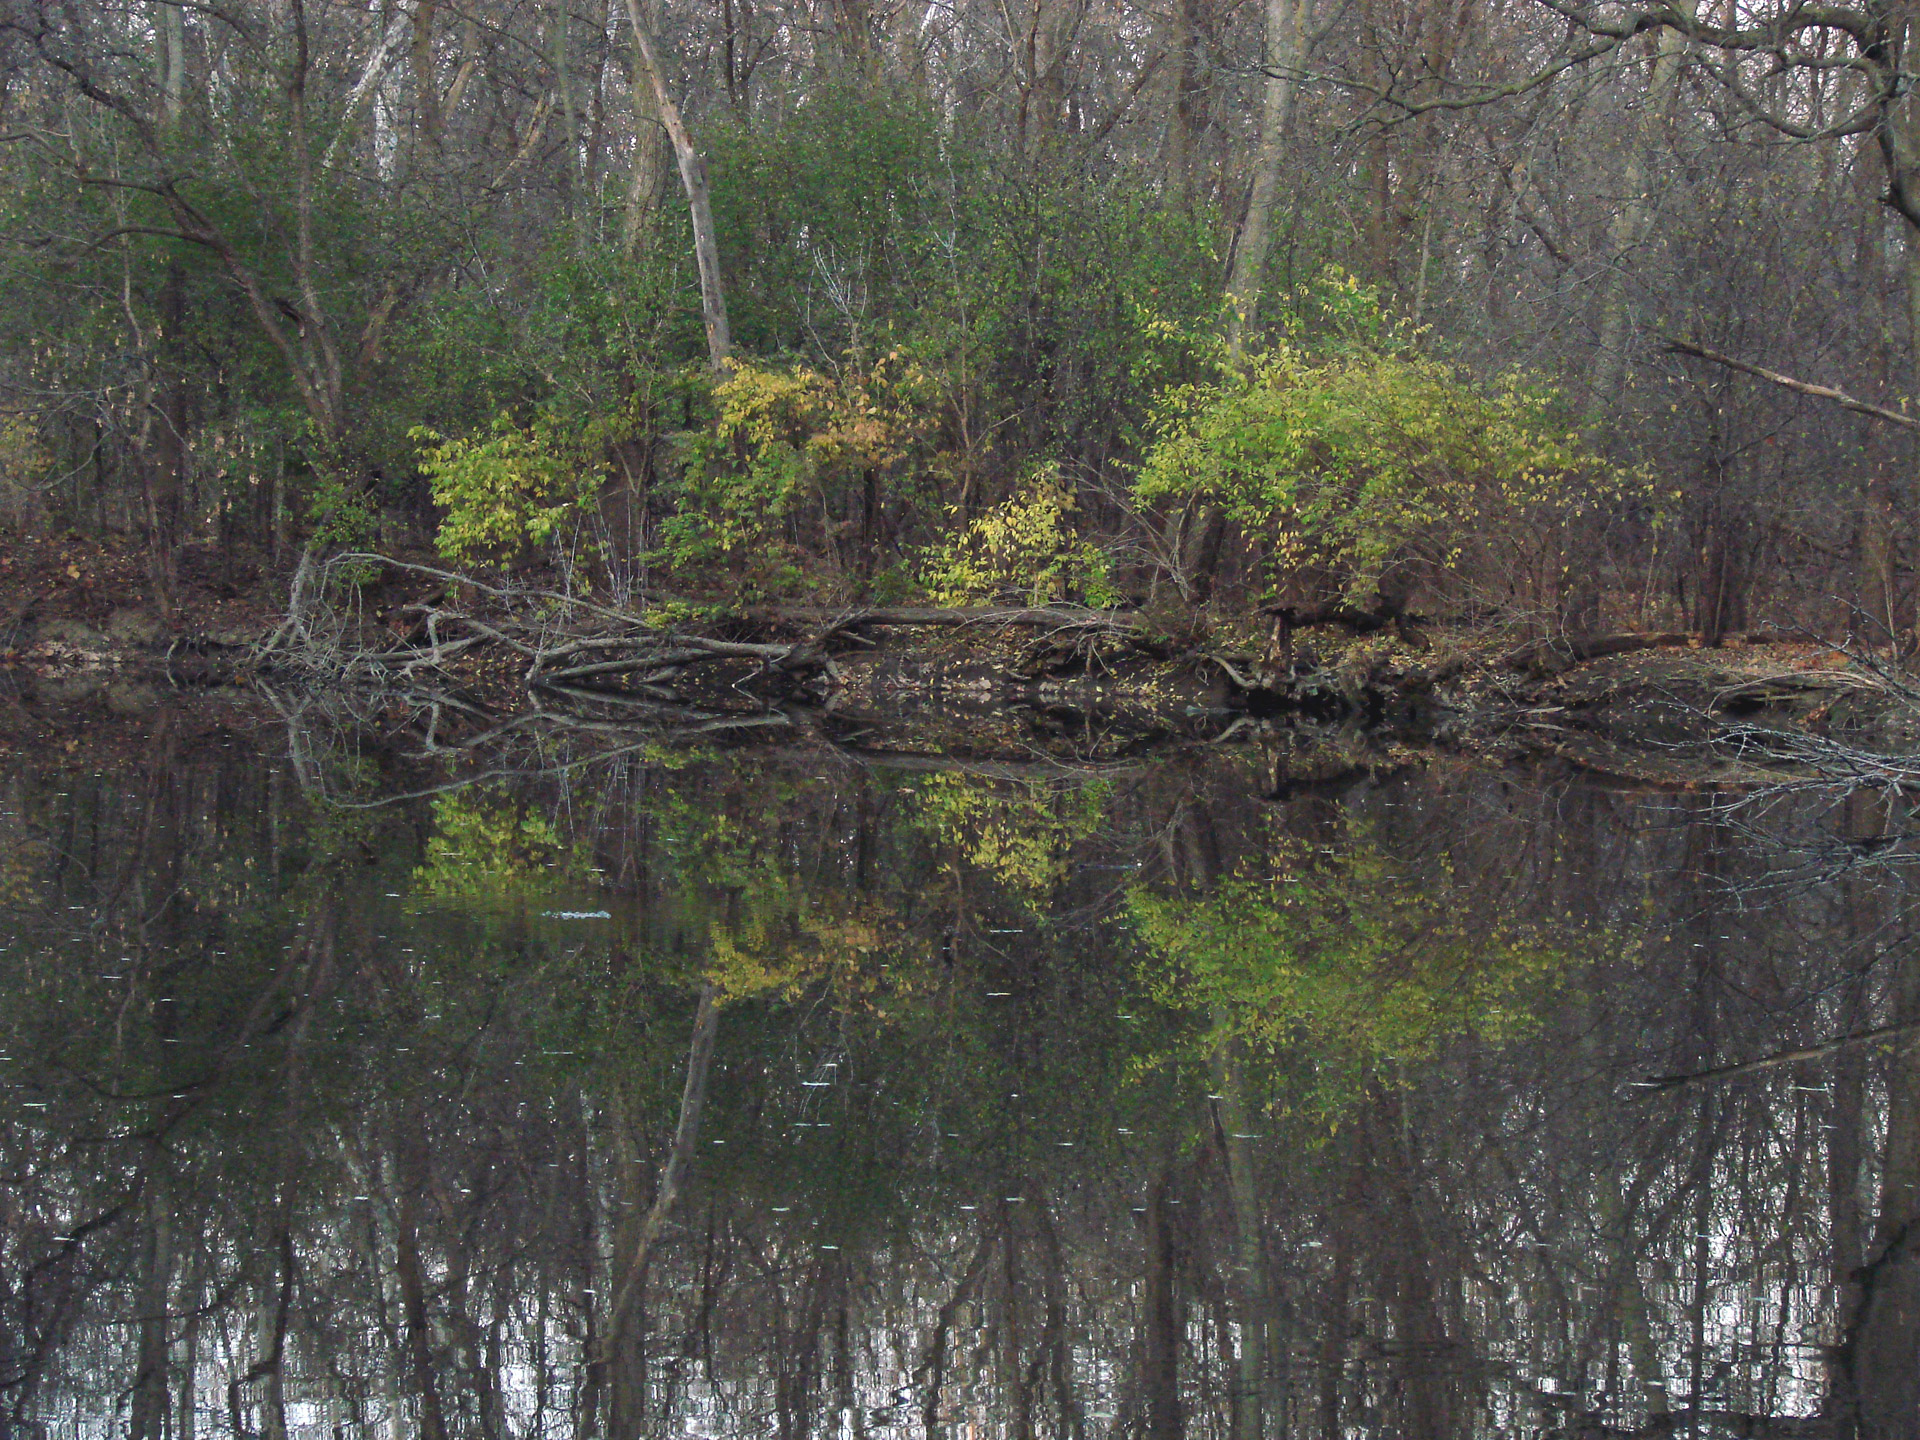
{"x": 1567, "y": 316}
{"x": 583, "y": 981}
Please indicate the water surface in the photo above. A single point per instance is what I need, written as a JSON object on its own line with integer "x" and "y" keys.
{"x": 1179, "y": 1096}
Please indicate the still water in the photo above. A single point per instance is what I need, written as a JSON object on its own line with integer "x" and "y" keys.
{"x": 669, "y": 1089}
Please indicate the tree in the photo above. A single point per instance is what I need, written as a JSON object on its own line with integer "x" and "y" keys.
{"x": 693, "y": 178}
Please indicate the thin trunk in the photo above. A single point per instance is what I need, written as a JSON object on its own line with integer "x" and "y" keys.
{"x": 417, "y": 1324}
{"x": 151, "y": 1396}
{"x": 1161, "y": 1324}
{"x": 1628, "y": 230}
{"x": 1913, "y": 329}
{"x": 576, "y": 175}
{"x": 1876, "y": 594}
{"x": 188, "y": 1407}
{"x": 426, "y": 87}
{"x": 1885, "y": 1335}
{"x": 1251, "y": 1288}
{"x": 630, "y": 1269}
{"x": 693, "y": 177}
{"x": 1186, "y": 101}
{"x": 170, "y": 68}
{"x": 1285, "y": 31}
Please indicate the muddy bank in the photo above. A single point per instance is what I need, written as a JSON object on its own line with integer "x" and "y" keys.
{"x": 1682, "y": 716}
{"x": 1047, "y": 681}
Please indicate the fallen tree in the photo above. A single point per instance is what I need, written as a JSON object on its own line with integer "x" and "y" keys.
{"x": 565, "y": 641}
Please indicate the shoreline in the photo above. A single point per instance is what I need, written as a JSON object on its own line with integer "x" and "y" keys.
{"x": 1665, "y": 714}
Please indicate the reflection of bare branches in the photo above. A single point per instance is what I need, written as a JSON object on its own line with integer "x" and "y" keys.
{"x": 1782, "y": 1057}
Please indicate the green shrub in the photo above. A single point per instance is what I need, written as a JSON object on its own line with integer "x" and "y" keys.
{"x": 1024, "y": 547}
{"x": 1376, "y": 468}
{"x": 506, "y": 490}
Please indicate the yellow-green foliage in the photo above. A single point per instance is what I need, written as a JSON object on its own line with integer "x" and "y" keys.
{"x": 770, "y": 932}
{"x": 513, "y": 487}
{"x": 1348, "y": 961}
{"x": 786, "y": 440}
{"x": 1022, "y": 833}
{"x": 1026, "y": 547}
{"x": 487, "y": 851}
{"x": 1363, "y": 461}
{"x": 787, "y": 941}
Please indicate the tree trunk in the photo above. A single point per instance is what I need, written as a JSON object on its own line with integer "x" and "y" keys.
{"x": 693, "y": 177}
{"x": 1885, "y": 1336}
{"x": 171, "y": 68}
{"x": 647, "y": 177}
{"x": 1628, "y": 230}
{"x": 415, "y": 1319}
{"x": 151, "y": 1395}
{"x": 628, "y": 1390}
{"x": 1876, "y": 592}
{"x": 426, "y": 85}
{"x": 1913, "y": 329}
{"x": 1186, "y": 101}
{"x": 1161, "y": 1324}
{"x": 1285, "y": 30}
{"x": 1250, "y": 1287}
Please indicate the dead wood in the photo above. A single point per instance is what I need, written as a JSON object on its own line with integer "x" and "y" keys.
{"x": 1334, "y": 612}
{"x": 1568, "y": 650}
{"x": 1023, "y": 616}
{"x": 1799, "y": 387}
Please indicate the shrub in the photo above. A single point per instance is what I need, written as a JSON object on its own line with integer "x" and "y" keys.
{"x": 511, "y": 488}
{"x": 1024, "y": 548}
{"x": 1373, "y": 469}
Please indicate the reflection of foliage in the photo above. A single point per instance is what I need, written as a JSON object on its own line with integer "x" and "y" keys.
{"x": 22, "y": 858}
{"x": 1352, "y": 963}
{"x": 770, "y": 931}
{"x": 490, "y": 851}
{"x": 1021, "y": 835}
{"x": 851, "y": 944}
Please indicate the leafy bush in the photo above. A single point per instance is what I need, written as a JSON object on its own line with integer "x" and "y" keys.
{"x": 510, "y": 488}
{"x": 1025, "y": 548}
{"x": 25, "y": 463}
{"x": 792, "y": 451}
{"x": 1374, "y": 469}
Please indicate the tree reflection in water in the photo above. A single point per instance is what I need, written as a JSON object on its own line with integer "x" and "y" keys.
{"x": 1004, "y": 1105}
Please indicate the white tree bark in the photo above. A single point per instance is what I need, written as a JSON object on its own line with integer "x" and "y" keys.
{"x": 693, "y": 177}
{"x": 1285, "y": 40}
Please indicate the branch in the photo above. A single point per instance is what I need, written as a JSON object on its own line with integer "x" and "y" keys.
{"x": 1818, "y": 392}
{"x": 1484, "y": 95}
{"x": 1783, "y": 1057}
{"x": 1763, "y": 38}
{"x": 119, "y": 230}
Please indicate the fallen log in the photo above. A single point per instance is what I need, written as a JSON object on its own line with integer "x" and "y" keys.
{"x": 1024, "y": 616}
{"x": 1569, "y": 650}
{"x": 1296, "y": 616}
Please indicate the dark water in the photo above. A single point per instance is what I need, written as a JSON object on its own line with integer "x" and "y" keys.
{"x": 1166, "y": 1098}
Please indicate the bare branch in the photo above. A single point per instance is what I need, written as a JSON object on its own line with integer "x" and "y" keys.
{"x": 1782, "y": 1057}
{"x": 1801, "y": 387}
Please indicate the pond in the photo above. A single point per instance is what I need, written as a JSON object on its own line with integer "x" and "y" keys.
{"x": 700, "y": 1087}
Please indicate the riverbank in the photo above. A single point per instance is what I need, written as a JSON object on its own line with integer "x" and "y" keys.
{"x": 996, "y": 683}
